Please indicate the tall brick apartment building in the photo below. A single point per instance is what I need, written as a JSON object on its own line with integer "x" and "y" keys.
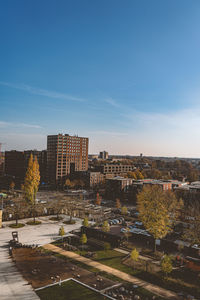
{"x": 65, "y": 154}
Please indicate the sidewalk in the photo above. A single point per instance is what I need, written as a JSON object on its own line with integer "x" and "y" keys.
{"x": 126, "y": 277}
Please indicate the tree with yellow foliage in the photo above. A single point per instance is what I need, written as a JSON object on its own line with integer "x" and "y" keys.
{"x": 124, "y": 210}
{"x": 31, "y": 183}
{"x": 134, "y": 256}
{"x": 155, "y": 211}
{"x": 118, "y": 204}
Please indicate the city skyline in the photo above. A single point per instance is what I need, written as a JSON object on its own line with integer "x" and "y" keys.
{"x": 124, "y": 74}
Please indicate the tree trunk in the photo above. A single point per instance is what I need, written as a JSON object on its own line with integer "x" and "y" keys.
{"x": 34, "y": 214}
{"x": 155, "y": 245}
{"x": 34, "y": 203}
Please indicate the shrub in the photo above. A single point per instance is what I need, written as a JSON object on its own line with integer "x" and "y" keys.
{"x": 85, "y": 222}
{"x": 166, "y": 264}
{"x": 62, "y": 231}
{"x": 33, "y": 223}
{"x": 19, "y": 225}
{"x": 70, "y": 222}
{"x": 56, "y": 218}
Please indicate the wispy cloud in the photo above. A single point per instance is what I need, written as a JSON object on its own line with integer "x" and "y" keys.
{"x": 183, "y": 120}
{"x": 112, "y": 102}
{"x": 41, "y": 92}
{"x": 4, "y": 124}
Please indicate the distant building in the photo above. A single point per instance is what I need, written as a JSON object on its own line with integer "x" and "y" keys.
{"x": 65, "y": 154}
{"x": 164, "y": 184}
{"x": 15, "y": 164}
{"x": 95, "y": 178}
{"x": 116, "y": 169}
{"x": 103, "y": 155}
{"x": 118, "y": 187}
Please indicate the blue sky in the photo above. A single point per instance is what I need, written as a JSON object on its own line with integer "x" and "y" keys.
{"x": 124, "y": 73}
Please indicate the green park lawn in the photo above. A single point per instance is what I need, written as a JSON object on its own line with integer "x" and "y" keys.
{"x": 177, "y": 281}
{"x": 68, "y": 290}
{"x": 183, "y": 280}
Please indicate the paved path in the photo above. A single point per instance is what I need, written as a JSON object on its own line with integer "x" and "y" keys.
{"x": 12, "y": 284}
{"x": 147, "y": 259}
{"x": 148, "y": 286}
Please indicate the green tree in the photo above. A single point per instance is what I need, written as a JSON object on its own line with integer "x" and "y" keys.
{"x": 106, "y": 226}
{"x": 107, "y": 246}
{"x": 83, "y": 239}
{"x": 166, "y": 265}
{"x": 124, "y": 210}
{"x": 85, "y": 222}
{"x": 31, "y": 183}
{"x": 134, "y": 256}
{"x": 61, "y": 232}
{"x": 154, "y": 211}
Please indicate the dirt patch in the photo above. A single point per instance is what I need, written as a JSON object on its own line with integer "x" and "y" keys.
{"x": 40, "y": 269}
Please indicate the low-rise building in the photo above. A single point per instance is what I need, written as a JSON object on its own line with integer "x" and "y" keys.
{"x": 164, "y": 184}
{"x": 117, "y": 185}
{"x": 94, "y": 178}
{"x": 116, "y": 169}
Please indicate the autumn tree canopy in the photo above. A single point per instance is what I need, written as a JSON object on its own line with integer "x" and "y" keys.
{"x": 32, "y": 181}
{"x": 157, "y": 210}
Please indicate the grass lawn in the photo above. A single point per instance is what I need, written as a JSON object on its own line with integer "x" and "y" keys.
{"x": 175, "y": 282}
{"x": 68, "y": 290}
{"x": 140, "y": 291}
{"x": 112, "y": 259}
